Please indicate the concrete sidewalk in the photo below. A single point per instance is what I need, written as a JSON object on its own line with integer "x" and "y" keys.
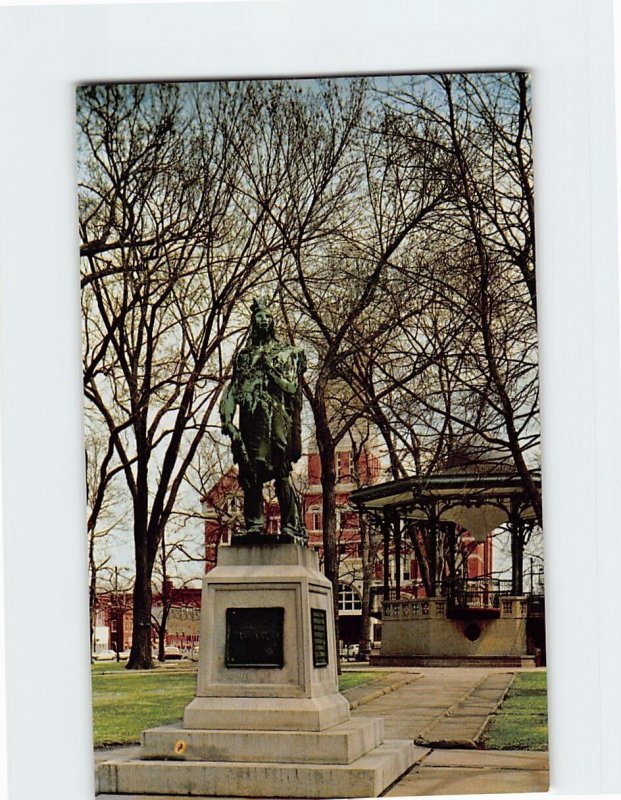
{"x": 444, "y": 711}
{"x": 446, "y": 772}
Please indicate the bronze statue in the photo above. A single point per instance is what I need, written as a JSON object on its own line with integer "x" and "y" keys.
{"x": 266, "y": 385}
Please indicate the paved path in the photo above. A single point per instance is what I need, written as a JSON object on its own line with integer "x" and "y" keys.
{"x": 448, "y": 709}
{"x": 447, "y": 772}
{"x": 435, "y": 709}
{"x": 444, "y": 711}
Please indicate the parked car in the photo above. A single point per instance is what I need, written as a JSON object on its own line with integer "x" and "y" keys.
{"x": 350, "y": 652}
{"x": 104, "y": 655}
{"x": 172, "y": 651}
{"x": 195, "y": 652}
{"x": 124, "y": 655}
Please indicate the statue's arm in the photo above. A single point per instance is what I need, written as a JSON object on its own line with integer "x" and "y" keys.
{"x": 289, "y": 387}
{"x": 227, "y": 410}
{"x": 286, "y": 385}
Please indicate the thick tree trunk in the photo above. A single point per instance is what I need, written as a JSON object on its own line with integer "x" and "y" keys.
{"x": 367, "y": 579}
{"x": 330, "y": 554}
{"x": 141, "y": 656}
{"x": 92, "y": 589}
{"x": 327, "y": 457}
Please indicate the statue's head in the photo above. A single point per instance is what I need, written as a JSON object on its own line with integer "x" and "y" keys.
{"x": 262, "y": 322}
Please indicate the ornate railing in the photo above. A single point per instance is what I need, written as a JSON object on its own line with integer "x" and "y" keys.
{"x": 440, "y": 607}
{"x": 412, "y": 609}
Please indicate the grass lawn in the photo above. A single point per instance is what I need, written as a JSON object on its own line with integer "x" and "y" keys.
{"x": 521, "y": 722}
{"x": 127, "y": 701}
{"x": 350, "y": 679}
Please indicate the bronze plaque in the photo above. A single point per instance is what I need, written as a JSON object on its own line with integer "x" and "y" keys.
{"x": 319, "y": 628}
{"x": 254, "y": 637}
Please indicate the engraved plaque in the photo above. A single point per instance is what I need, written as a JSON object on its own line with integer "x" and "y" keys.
{"x": 254, "y": 637}
{"x": 319, "y": 629}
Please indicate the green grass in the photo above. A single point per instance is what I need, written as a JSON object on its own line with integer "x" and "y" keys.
{"x": 350, "y": 679}
{"x": 127, "y": 701}
{"x": 521, "y": 722}
{"x": 107, "y": 666}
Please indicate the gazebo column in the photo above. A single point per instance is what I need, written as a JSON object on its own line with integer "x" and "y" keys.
{"x": 386, "y": 538}
{"x": 518, "y": 529}
{"x": 432, "y": 548}
{"x": 517, "y": 560}
{"x": 451, "y": 530}
{"x": 397, "y": 533}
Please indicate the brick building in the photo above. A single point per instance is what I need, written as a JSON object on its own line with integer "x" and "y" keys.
{"x": 114, "y": 618}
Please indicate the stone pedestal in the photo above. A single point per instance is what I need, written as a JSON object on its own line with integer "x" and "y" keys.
{"x": 267, "y": 719}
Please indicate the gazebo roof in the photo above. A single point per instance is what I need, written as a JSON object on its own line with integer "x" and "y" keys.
{"x": 479, "y": 498}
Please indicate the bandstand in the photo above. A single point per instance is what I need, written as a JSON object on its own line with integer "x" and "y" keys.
{"x": 459, "y": 620}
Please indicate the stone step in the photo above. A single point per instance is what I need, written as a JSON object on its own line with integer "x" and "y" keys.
{"x": 368, "y": 776}
{"x": 266, "y": 713}
{"x": 341, "y": 744}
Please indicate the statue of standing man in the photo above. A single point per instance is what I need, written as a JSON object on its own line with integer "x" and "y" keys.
{"x": 266, "y": 386}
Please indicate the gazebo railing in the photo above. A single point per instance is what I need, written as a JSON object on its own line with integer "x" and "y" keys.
{"x": 483, "y": 593}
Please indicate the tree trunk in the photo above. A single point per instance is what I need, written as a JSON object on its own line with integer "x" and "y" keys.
{"x": 422, "y": 557}
{"x": 368, "y": 564}
{"x": 92, "y": 589}
{"x": 141, "y": 656}
{"x": 327, "y": 456}
{"x": 161, "y": 635}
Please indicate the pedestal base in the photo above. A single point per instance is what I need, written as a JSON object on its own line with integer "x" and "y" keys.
{"x": 267, "y": 719}
{"x": 267, "y": 713}
{"x": 341, "y": 744}
{"x": 367, "y": 776}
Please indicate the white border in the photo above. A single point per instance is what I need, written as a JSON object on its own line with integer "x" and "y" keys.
{"x": 567, "y": 45}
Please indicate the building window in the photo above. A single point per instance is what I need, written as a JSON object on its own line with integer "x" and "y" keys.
{"x": 316, "y": 521}
{"x": 233, "y": 504}
{"x": 350, "y": 520}
{"x": 343, "y": 467}
{"x": 273, "y": 524}
{"x": 349, "y": 599}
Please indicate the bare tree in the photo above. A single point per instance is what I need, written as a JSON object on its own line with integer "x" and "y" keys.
{"x": 104, "y": 507}
{"x": 483, "y": 253}
{"x": 370, "y": 537}
{"x": 170, "y": 578}
{"x": 169, "y": 248}
{"x": 116, "y": 591}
